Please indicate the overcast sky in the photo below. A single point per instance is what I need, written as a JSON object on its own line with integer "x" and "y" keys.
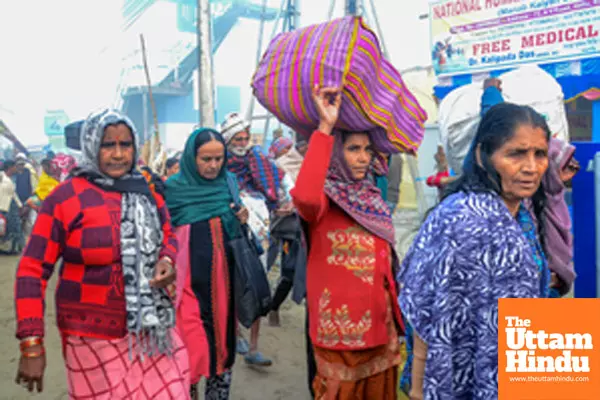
{"x": 66, "y": 54}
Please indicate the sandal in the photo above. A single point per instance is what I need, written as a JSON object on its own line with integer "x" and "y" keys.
{"x": 257, "y": 359}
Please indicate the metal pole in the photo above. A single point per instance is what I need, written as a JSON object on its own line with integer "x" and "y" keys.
{"x": 266, "y": 134}
{"x": 373, "y": 13}
{"x": 597, "y": 212}
{"x": 411, "y": 160}
{"x": 296, "y": 14}
{"x": 261, "y": 30}
{"x": 279, "y": 14}
{"x": 292, "y": 15}
{"x": 206, "y": 84}
{"x": 250, "y": 110}
{"x": 353, "y": 7}
{"x": 155, "y": 138}
{"x": 331, "y": 9}
{"x": 145, "y": 114}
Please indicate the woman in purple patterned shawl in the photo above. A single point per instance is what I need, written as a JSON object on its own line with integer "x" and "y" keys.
{"x": 478, "y": 245}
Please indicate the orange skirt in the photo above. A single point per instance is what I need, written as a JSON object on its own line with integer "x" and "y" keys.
{"x": 381, "y": 386}
{"x": 360, "y": 374}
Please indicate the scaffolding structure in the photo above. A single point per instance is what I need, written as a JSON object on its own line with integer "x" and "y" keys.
{"x": 289, "y": 15}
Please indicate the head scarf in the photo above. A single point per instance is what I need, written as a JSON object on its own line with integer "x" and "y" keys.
{"x": 559, "y": 241}
{"x": 64, "y": 163}
{"x": 48, "y": 180}
{"x": 171, "y": 162}
{"x": 290, "y": 163}
{"x": 150, "y": 312}
{"x": 46, "y": 185}
{"x": 21, "y": 158}
{"x": 361, "y": 199}
{"x": 278, "y": 145}
{"x": 255, "y": 172}
{"x": 233, "y": 125}
{"x": 192, "y": 198}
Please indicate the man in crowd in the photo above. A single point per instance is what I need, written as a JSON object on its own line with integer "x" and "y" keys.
{"x": 263, "y": 191}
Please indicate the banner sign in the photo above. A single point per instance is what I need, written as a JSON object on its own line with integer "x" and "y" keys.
{"x": 55, "y": 122}
{"x": 469, "y": 36}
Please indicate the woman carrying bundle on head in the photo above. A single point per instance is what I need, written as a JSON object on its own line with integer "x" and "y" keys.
{"x": 354, "y": 319}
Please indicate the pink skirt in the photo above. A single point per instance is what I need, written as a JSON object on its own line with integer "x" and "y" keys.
{"x": 101, "y": 370}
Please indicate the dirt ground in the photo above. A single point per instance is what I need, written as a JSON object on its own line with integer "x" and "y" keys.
{"x": 286, "y": 379}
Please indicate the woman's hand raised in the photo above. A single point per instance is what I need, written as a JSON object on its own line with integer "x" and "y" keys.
{"x": 327, "y": 101}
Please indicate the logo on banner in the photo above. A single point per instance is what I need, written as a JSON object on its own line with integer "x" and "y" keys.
{"x": 549, "y": 348}
{"x": 524, "y": 343}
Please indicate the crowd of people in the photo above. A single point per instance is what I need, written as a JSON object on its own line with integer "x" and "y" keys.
{"x": 147, "y": 297}
{"x": 24, "y": 184}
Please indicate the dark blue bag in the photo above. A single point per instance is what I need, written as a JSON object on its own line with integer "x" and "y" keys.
{"x": 252, "y": 290}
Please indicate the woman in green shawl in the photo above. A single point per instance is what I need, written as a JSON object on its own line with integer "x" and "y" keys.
{"x": 201, "y": 198}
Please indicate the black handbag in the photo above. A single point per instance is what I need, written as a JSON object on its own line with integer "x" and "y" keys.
{"x": 252, "y": 290}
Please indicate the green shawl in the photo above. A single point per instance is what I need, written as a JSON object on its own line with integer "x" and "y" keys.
{"x": 192, "y": 198}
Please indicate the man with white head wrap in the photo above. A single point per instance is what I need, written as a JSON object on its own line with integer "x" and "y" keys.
{"x": 263, "y": 190}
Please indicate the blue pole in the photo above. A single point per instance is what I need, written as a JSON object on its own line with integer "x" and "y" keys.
{"x": 597, "y": 212}
{"x": 351, "y": 7}
{"x": 596, "y": 121}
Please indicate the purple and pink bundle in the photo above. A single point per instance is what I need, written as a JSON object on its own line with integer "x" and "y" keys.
{"x": 341, "y": 53}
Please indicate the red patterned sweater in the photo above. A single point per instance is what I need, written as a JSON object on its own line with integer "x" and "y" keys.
{"x": 80, "y": 223}
{"x": 349, "y": 270}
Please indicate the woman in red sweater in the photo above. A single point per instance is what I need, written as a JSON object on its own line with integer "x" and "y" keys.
{"x": 114, "y": 313}
{"x": 354, "y": 319}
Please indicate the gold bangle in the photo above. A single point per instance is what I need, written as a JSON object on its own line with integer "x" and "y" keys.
{"x": 30, "y": 342}
{"x": 33, "y": 354}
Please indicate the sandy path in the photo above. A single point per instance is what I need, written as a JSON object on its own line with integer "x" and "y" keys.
{"x": 286, "y": 379}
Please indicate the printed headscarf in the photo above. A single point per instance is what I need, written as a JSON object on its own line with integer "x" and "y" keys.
{"x": 64, "y": 164}
{"x": 290, "y": 163}
{"x": 278, "y": 145}
{"x": 361, "y": 199}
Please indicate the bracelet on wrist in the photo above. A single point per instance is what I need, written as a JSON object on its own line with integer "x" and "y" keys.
{"x": 31, "y": 342}
{"x": 168, "y": 259}
{"x": 33, "y": 354}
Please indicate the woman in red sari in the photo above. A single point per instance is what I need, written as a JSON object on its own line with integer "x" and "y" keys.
{"x": 354, "y": 320}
